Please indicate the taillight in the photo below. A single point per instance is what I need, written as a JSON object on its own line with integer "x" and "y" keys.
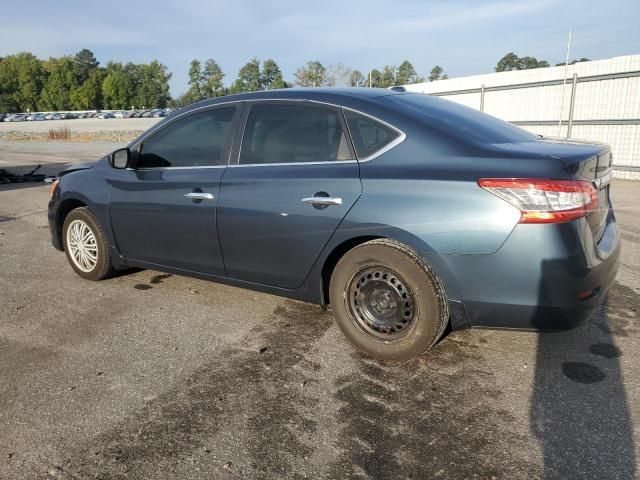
{"x": 544, "y": 201}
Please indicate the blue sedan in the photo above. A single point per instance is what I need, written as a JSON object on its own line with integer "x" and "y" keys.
{"x": 405, "y": 213}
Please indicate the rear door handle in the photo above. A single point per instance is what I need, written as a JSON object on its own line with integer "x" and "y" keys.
{"x": 199, "y": 196}
{"x": 323, "y": 200}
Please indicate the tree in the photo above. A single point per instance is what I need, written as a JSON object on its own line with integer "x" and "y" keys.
{"x": 88, "y": 96}
{"x": 512, "y": 62}
{"x": 406, "y": 74}
{"x": 61, "y": 80}
{"x": 85, "y": 63}
{"x": 249, "y": 78}
{"x": 357, "y": 79}
{"x": 436, "y": 73}
{"x": 194, "y": 94}
{"x": 153, "y": 85}
{"x": 338, "y": 75}
{"x": 313, "y": 74}
{"x": 272, "y": 76}
{"x": 527, "y": 63}
{"x": 375, "y": 78}
{"x": 212, "y": 77}
{"x": 573, "y": 62}
{"x": 388, "y": 77}
{"x": 119, "y": 86}
{"x": 21, "y": 80}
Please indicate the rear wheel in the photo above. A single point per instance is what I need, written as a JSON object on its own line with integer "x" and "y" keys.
{"x": 387, "y": 300}
{"x": 86, "y": 246}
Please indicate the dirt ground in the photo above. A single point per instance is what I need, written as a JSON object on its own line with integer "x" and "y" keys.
{"x": 154, "y": 376}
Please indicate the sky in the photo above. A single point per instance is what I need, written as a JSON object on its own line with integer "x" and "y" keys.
{"x": 465, "y": 37}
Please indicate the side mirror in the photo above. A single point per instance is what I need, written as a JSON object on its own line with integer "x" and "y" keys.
{"x": 120, "y": 158}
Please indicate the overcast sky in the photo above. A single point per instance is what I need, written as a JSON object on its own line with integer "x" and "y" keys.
{"x": 463, "y": 36}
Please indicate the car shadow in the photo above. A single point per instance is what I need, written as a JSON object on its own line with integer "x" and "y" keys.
{"x": 17, "y": 177}
{"x": 579, "y": 409}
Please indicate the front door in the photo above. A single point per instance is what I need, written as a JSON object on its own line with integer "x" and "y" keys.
{"x": 163, "y": 210}
{"x": 295, "y": 179}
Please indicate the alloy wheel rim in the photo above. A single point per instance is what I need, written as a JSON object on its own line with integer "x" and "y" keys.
{"x": 82, "y": 245}
{"x": 381, "y": 303}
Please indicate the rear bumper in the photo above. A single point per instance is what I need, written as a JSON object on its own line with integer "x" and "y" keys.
{"x": 545, "y": 277}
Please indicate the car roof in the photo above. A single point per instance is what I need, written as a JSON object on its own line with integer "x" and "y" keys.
{"x": 318, "y": 94}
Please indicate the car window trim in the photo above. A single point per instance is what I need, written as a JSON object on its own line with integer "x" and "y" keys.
{"x": 234, "y": 156}
{"x": 227, "y": 146}
{"x": 293, "y": 101}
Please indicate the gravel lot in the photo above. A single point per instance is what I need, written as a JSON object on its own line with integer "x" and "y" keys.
{"x": 81, "y": 125}
{"x": 150, "y": 375}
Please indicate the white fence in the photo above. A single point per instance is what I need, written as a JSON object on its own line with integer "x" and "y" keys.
{"x": 597, "y": 101}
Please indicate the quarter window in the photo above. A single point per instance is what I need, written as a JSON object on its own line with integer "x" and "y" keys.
{"x": 368, "y": 135}
{"x": 198, "y": 140}
{"x": 285, "y": 133}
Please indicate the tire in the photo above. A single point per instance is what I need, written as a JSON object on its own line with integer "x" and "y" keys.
{"x": 388, "y": 301}
{"x": 97, "y": 245}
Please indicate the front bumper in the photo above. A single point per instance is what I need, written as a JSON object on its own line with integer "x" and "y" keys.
{"x": 545, "y": 277}
{"x": 54, "y": 228}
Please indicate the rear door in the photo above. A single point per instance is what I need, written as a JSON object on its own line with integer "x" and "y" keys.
{"x": 163, "y": 211}
{"x": 294, "y": 180}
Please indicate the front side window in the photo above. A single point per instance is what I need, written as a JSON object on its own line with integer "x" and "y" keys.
{"x": 283, "y": 133}
{"x": 198, "y": 140}
{"x": 368, "y": 135}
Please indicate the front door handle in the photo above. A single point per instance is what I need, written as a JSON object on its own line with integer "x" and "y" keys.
{"x": 323, "y": 200}
{"x": 199, "y": 196}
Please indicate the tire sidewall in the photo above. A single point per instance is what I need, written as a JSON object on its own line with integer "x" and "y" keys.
{"x": 427, "y": 324}
{"x": 103, "y": 264}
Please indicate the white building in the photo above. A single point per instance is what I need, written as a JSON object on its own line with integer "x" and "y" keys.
{"x": 597, "y": 100}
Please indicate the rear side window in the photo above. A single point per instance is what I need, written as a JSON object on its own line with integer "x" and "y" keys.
{"x": 283, "y": 133}
{"x": 198, "y": 140}
{"x": 368, "y": 135}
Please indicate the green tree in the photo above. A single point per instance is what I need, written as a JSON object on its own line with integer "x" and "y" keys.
{"x": 88, "y": 96}
{"x": 406, "y": 74}
{"x": 249, "y": 78}
{"x": 388, "y": 77}
{"x": 21, "y": 79}
{"x": 119, "y": 86}
{"x": 375, "y": 78}
{"x": 272, "y": 75}
{"x": 85, "y": 63}
{"x": 511, "y": 61}
{"x": 61, "y": 80}
{"x": 153, "y": 85}
{"x": 194, "y": 94}
{"x": 212, "y": 77}
{"x": 436, "y": 73}
{"x": 313, "y": 74}
{"x": 357, "y": 79}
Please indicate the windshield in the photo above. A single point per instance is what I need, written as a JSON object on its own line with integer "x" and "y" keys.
{"x": 460, "y": 121}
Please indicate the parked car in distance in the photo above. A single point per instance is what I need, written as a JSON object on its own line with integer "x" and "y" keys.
{"x": 157, "y": 113}
{"x": 118, "y": 114}
{"x": 106, "y": 115}
{"x": 2, "y": 117}
{"x": 128, "y": 114}
{"x": 36, "y": 117}
{"x": 405, "y": 213}
{"x": 18, "y": 117}
{"x": 146, "y": 114}
{"x": 81, "y": 115}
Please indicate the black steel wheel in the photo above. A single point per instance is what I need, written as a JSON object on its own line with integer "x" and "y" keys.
{"x": 381, "y": 303}
{"x": 387, "y": 300}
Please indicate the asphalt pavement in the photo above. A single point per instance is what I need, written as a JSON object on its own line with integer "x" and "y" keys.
{"x": 156, "y": 376}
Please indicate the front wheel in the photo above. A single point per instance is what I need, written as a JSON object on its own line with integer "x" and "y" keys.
{"x": 86, "y": 245}
{"x": 388, "y": 301}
